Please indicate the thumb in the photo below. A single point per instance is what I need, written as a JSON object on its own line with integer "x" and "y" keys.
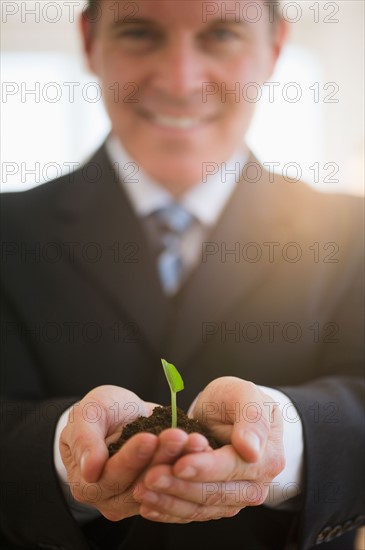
{"x": 247, "y": 443}
{"x": 251, "y": 432}
{"x": 236, "y": 413}
{"x": 93, "y": 457}
{"x": 82, "y": 441}
{"x": 102, "y": 413}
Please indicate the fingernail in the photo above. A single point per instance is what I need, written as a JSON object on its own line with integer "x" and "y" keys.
{"x": 145, "y": 451}
{"x": 188, "y": 472}
{"x": 173, "y": 448}
{"x": 83, "y": 460}
{"x": 162, "y": 482}
{"x": 253, "y": 440}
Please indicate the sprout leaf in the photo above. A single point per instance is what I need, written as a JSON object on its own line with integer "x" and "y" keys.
{"x": 176, "y": 384}
{"x": 173, "y": 376}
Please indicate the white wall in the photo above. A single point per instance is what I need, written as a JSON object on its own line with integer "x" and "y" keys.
{"x": 321, "y": 135}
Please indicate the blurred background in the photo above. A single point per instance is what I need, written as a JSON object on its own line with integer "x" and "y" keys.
{"x": 309, "y": 118}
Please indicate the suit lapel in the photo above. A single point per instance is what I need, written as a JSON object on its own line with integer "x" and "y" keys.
{"x": 113, "y": 253}
{"x": 221, "y": 280}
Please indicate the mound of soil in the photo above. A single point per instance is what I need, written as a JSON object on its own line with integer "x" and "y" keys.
{"x": 160, "y": 420}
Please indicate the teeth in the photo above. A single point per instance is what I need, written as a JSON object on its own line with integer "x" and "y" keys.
{"x": 180, "y": 123}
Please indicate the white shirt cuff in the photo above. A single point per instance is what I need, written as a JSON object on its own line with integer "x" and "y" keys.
{"x": 60, "y": 467}
{"x": 287, "y": 484}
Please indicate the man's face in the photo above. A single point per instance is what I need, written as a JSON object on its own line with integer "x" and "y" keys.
{"x": 166, "y": 68}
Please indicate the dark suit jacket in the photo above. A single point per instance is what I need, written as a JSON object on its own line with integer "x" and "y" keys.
{"x": 82, "y": 306}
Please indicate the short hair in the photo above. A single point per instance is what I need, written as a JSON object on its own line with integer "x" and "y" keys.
{"x": 93, "y": 3}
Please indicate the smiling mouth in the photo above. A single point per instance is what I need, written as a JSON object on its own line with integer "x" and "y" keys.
{"x": 175, "y": 122}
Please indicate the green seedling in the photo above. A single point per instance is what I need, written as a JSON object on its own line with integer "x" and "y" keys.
{"x": 176, "y": 384}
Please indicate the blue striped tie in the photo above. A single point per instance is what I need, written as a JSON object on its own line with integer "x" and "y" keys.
{"x": 172, "y": 221}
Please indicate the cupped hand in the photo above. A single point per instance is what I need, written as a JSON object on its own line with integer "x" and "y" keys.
{"x": 109, "y": 484}
{"x": 209, "y": 485}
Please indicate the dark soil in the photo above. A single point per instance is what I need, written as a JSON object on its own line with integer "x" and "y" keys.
{"x": 160, "y": 420}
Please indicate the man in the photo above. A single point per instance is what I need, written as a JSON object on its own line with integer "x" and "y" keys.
{"x": 263, "y": 321}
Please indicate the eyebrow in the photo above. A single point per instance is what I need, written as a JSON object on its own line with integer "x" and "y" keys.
{"x": 135, "y": 21}
{"x": 216, "y": 22}
{"x": 122, "y": 22}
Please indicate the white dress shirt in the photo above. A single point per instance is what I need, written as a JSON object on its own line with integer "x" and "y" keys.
{"x": 206, "y": 201}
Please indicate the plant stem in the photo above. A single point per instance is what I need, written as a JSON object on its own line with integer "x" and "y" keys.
{"x": 173, "y": 410}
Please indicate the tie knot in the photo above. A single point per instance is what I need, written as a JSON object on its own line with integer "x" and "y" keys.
{"x": 174, "y": 218}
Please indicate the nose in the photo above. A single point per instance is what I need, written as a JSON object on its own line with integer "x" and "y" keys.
{"x": 180, "y": 68}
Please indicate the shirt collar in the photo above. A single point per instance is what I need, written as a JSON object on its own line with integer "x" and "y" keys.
{"x": 205, "y": 201}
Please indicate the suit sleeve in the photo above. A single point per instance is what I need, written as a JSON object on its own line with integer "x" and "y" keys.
{"x": 332, "y": 412}
{"x": 35, "y": 510}
{"x": 31, "y": 495}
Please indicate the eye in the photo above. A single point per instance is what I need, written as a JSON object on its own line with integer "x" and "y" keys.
{"x": 222, "y": 34}
{"x": 139, "y": 39}
{"x": 137, "y": 34}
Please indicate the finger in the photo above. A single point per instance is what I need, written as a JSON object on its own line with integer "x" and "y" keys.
{"x": 169, "y": 509}
{"x": 90, "y": 421}
{"x": 92, "y": 461}
{"x": 85, "y": 447}
{"x": 175, "y": 442}
{"x": 197, "y": 443}
{"x": 247, "y": 427}
{"x": 153, "y": 515}
{"x": 123, "y": 471}
{"x": 252, "y": 442}
{"x": 218, "y": 465}
{"x": 126, "y": 466}
{"x": 160, "y": 480}
{"x": 249, "y": 442}
{"x": 171, "y": 443}
{"x": 113, "y": 494}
